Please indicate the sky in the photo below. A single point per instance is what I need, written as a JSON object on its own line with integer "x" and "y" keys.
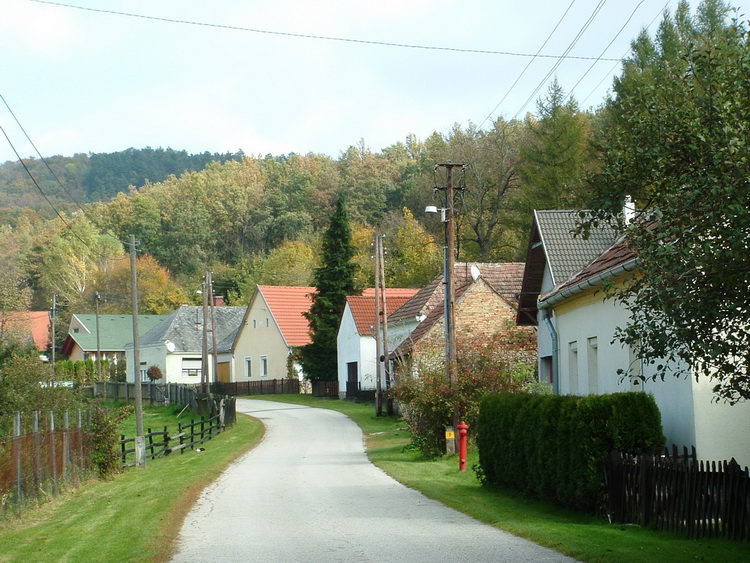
{"x": 281, "y": 76}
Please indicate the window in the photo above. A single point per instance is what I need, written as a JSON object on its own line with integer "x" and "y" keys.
{"x": 248, "y": 367}
{"x": 192, "y": 367}
{"x": 144, "y": 372}
{"x": 573, "y": 368}
{"x": 264, "y": 366}
{"x": 592, "y": 361}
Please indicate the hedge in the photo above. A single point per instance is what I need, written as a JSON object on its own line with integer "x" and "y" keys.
{"x": 553, "y": 447}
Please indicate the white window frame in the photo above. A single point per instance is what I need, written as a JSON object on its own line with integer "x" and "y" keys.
{"x": 192, "y": 371}
{"x": 264, "y": 366}
{"x": 248, "y": 367}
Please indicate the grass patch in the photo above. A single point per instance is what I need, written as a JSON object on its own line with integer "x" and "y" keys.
{"x": 136, "y": 516}
{"x": 581, "y": 536}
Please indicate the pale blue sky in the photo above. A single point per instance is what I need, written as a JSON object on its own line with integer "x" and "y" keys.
{"x": 87, "y": 81}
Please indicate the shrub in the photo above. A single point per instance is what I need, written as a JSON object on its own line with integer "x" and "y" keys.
{"x": 105, "y": 424}
{"x": 154, "y": 373}
{"x": 553, "y": 447}
{"x": 427, "y": 401}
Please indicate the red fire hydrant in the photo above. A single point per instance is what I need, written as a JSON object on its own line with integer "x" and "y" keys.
{"x": 463, "y": 429}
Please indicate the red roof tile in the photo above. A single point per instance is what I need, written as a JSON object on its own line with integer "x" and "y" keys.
{"x": 35, "y": 322}
{"x": 288, "y": 306}
{"x": 363, "y": 306}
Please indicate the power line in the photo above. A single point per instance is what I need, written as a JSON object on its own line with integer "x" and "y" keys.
{"x": 316, "y": 37}
{"x": 489, "y": 116}
{"x": 557, "y": 64}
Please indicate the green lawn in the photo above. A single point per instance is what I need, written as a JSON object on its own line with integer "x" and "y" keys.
{"x": 137, "y": 515}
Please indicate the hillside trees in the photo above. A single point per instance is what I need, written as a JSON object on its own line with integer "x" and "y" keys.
{"x": 677, "y": 140}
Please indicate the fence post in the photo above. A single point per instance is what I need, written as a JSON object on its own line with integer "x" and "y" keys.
{"x": 53, "y": 449}
{"x": 17, "y": 455}
{"x": 66, "y": 445}
{"x": 37, "y": 448}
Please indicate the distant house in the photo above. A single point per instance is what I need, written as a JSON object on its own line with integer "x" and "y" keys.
{"x": 175, "y": 345}
{"x": 586, "y": 359}
{"x": 486, "y": 300}
{"x": 273, "y": 329}
{"x": 115, "y": 332}
{"x": 35, "y": 324}
{"x": 356, "y": 342}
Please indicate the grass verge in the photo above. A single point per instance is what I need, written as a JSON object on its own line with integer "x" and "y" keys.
{"x": 136, "y": 516}
{"x": 583, "y": 537}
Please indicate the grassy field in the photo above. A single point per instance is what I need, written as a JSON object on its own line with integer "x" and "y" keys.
{"x": 137, "y": 515}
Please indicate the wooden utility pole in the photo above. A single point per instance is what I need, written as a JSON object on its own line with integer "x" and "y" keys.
{"x": 98, "y": 341}
{"x": 450, "y": 289}
{"x": 214, "y": 357}
{"x": 140, "y": 441}
{"x": 384, "y": 322}
{"x": 378, "y": 342}
{"x": 54, "y": 336}
{"x": 204, "y": 347}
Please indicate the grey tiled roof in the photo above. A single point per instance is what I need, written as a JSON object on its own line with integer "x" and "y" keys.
{"x": 567, "y": 253}
{"x": 184, "y": 328}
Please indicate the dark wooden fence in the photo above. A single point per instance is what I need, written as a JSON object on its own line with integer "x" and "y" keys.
{"x": 678, "y": 493}
{"x": 325, "y": 388}
{"x": 46, "y": 452}
{"x": 189, "y": 435}
{"x": 355, "y": 392}
{"x": 159, "y": 394}
{"x": 269, "y": 387}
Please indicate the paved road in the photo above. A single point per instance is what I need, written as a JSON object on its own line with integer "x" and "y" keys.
{"x": 307, "y": 493}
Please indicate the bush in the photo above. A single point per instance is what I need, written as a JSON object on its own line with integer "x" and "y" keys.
{"x": 553, "y": 447}
{"x": 105, "y": 425}
{"x": 427, "y": 401}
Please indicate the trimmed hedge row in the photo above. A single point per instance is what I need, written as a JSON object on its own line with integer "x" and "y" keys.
{"x": 553, "y": 447}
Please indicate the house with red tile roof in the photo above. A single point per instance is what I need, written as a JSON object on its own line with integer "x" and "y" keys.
{"x": 274, "y": 327}
{"x": 356, "y": 342}
{"x": 585, "y": 357}
{"x": 35, "y": 324}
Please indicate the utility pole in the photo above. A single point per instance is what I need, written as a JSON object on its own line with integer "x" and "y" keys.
{"x": 54, "y": 336}
{"x": 378, "y": 342}
{"x": 450, "y": 289}
{"x": 98, "y": 341}
{"x": 214, "y": 357}
{"x": 451, "y": 365}
{"x": 384, "y": 304}
{"x": 140, "y": 440}
{"x": 204, "y": 348}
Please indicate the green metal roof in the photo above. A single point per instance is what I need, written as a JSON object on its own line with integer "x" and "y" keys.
{"x": 115, "y": 331}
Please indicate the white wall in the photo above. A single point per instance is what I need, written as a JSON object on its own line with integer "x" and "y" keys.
{"x": 690, "y": 414}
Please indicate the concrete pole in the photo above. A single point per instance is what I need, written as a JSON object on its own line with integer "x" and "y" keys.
{"x": 140, "y": 440}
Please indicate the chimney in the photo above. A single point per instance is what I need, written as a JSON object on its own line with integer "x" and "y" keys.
{"x": 218, "y": 300}
{"x": 628, "y": 210}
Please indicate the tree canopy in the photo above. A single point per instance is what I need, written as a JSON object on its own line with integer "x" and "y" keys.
{"x": 677, "y": 140}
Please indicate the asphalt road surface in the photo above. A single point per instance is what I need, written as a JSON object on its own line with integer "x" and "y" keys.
{"x": 307, "y": 492}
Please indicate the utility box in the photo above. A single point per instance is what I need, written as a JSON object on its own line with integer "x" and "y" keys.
{"x": 450, "y": 440}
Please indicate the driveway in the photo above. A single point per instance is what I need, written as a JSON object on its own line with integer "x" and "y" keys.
{"x": 307, "y": 492}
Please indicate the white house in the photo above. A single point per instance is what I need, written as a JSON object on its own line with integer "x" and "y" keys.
{"x": 587, "y": 360}
{"x": 356, "y": 343}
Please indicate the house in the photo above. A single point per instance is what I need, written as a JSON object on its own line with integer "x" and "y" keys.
{"x": 273, "y": 328}
{"x": 35, "y": 324}
{"x": 175, "y": 345}
{"x": 486, "y": 301}
{"x": 587, "y": 360}
{"x": 356, "y": 342}
{"x": 114, "y": 333}
{"x": 554, "y": 255}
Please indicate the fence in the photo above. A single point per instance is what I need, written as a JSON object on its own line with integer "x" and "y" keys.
{"x": 677, "y": 493}
{"x": 188, "y": 435}
{"x": 325, "y": 388}
{"x": 269, "y": 387}
{"x": 355, "y": 392}
{"x": 151, "y": 393}
{"x": 51, "y": 452}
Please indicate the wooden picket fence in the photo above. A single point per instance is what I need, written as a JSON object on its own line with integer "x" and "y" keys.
{"x": 189, "y": 435}
{"x": 678, "y": 493}
{"x": 268, "y": 387}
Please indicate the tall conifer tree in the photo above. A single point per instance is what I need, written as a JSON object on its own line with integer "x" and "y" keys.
{"x": 334, "y": 280}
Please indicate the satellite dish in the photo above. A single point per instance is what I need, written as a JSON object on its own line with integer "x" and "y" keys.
{"x": 170, "y": 346}
{"x": 475, "y": 273}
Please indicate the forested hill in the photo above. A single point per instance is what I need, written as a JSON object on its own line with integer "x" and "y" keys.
{"x": 88, "y": 178}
